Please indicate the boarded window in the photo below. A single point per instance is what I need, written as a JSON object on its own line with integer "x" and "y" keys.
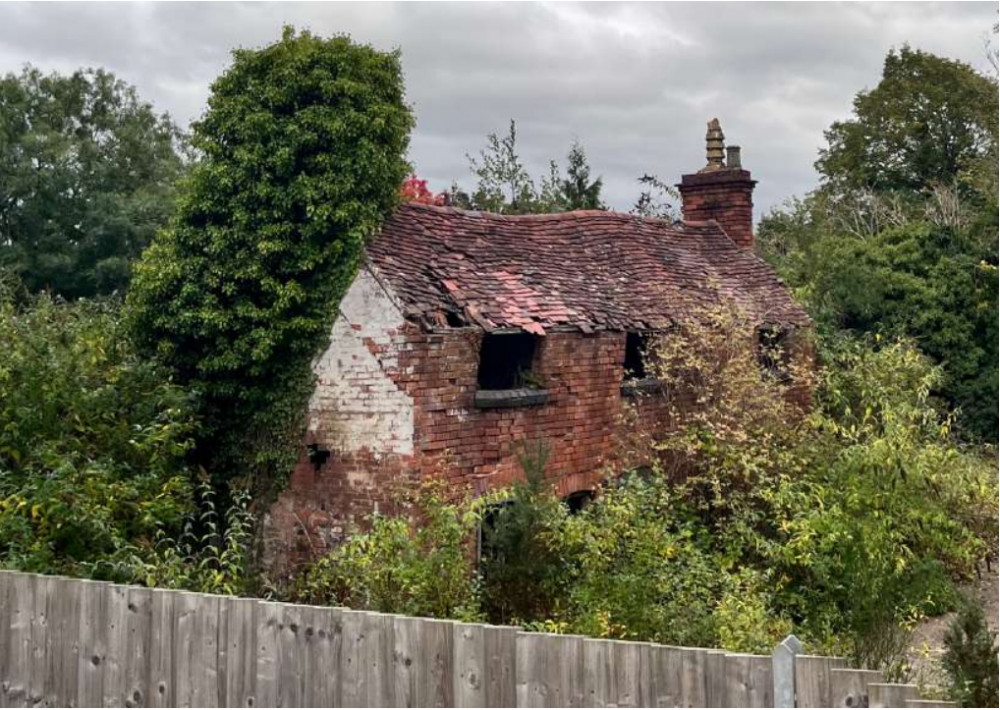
{"x": 506, "y": 359}
{"x": 635, "y": 355}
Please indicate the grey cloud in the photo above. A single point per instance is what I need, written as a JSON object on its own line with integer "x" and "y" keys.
{"x": 634, "y": 83}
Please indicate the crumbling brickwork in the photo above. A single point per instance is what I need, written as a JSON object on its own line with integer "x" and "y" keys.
{"x": 396, "y": 395}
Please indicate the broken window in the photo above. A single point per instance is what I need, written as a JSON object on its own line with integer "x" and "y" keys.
{"x": 635, "y": 356}
{"x": 505, "y": 361}
{"x": 773, "y": 352}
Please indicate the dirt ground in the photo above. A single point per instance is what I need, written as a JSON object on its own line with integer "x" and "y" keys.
{"x": 927, "y": 642}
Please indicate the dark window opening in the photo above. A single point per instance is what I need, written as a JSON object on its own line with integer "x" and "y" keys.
{"x": 773, "y": 353}
{"x": 317, "y": 456}
{"x": 577, "y": 501}
{"x": 505, "y": 361}
{"x": 635, "y": 355}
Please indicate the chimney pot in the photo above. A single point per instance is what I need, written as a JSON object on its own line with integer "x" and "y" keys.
{"x": 733, "y": 157}
{"x": 721, "y": 191}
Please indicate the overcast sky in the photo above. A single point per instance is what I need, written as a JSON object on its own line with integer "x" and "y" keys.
{"x": 635, "y": 83}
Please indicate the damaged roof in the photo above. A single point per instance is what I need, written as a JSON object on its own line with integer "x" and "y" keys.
{"x": 584, "y": 270}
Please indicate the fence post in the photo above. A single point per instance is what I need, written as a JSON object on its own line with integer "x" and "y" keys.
{"x": 783, "y": 671}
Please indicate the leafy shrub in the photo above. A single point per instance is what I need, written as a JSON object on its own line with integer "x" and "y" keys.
{"x": 211, "y": 555}
{"x": 302, "y": 155}
{"x": 524, "y": 574}
{"x": 93, "y": 440}
{"x": 971, "y": 658}
{"x": 417, "y": 562}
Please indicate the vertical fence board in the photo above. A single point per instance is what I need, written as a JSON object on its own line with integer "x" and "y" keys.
{"x": 116, "y": 613}
{"x": 761, "y": 682}
{"x": 598, "y": 676}
{"x": 406, "y": 649}
{"x": 500, "y": 645}
{"x": 93, "y": 627}
{"x": 322, "y": 633}
{"x": 138, "y": 635}
{"x": 812, "y": 680}
{"x": 715, "y": 679}
{"x": 39, "y": 639}
{"x": 291, "y": 659}
{"x": 437, "y": 684}
{"x": 64, "y": 624}
{"x": 626, "y": 674}
{"x": 470, "y": 665}
{"x": 268, "y": 617}
{"x": 694, "y": 694}
{"x": 667, "y": 666}
{"x": 381, "y": 659}
{"x": 849, "y": 687}
{"x": 891, "y": 695}
{"x": 161, "y": 649}
{"x": 20, "y": 605}
{"x": 239, "y": 638}
{"x": 352, "y": 662}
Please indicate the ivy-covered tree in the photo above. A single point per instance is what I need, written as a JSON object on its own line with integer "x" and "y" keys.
{"x": 303, "y": 145}
{"x": 89, "y": 173}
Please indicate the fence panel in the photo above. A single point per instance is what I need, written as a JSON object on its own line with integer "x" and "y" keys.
{"x": 66, "y": 642}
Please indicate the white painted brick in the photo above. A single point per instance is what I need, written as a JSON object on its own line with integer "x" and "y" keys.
{"x": 354, "y": 395}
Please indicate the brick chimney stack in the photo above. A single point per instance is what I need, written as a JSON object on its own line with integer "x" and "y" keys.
{"x": 722, "y": 190}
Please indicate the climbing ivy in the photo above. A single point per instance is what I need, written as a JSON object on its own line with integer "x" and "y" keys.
{"x": 302, "y": 153}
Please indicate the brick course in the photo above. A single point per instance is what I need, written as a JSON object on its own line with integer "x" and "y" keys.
{"x": 725, "y": 196}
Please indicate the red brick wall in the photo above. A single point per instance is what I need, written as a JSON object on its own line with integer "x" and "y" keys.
{"x": 725, "y": 196}
{"x": 396, "y": 404}
{"x": 473, "y": 448}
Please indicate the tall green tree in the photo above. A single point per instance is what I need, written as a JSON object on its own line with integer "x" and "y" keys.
{"x": 928, "y": 120}
{"x": 303, "y": 146}
{"x": 505, "y": 186}
{"x": 88, "y": 176}
{"x": 578, "y": 191}
{"x": 901, "y": 236}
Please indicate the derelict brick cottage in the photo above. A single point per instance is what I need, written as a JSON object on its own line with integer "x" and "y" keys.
{"x": 465, "y": 333}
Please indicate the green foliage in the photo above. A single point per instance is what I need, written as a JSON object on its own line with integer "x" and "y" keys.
{"x": 928, "y": 119}
{"x": 844, "y": 524}
{"x": 211, "y": 555}
{"x": 901, "y": 238}
{"x": 576, "y": 190}
{"x": 971, "y": 658}
{"x": 657, "y": 199}
{"x": 504, "y": 185}
{"x": 418, "y": 562}
{"x": 89, "y": 173}
{"x": 303, "y": 146}
{"x": 523, "y": 574}
{"x": 92, "y": 440}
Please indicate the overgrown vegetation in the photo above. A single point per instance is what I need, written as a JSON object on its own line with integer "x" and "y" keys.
{"x": 93, "y": 440}
{"x": 844, "y": 524}
{"x": 89, "y": 174}
{"x": 901, "y": 237}
{"x": 971, "y": 658}
{"x": 302, "y": 155}
{"x": 753, "y": 514}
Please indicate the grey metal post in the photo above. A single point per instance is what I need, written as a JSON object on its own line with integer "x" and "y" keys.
{"x": 783, "y": 671}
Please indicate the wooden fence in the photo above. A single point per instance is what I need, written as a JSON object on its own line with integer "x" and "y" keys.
{"x": 80, "y": 643}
